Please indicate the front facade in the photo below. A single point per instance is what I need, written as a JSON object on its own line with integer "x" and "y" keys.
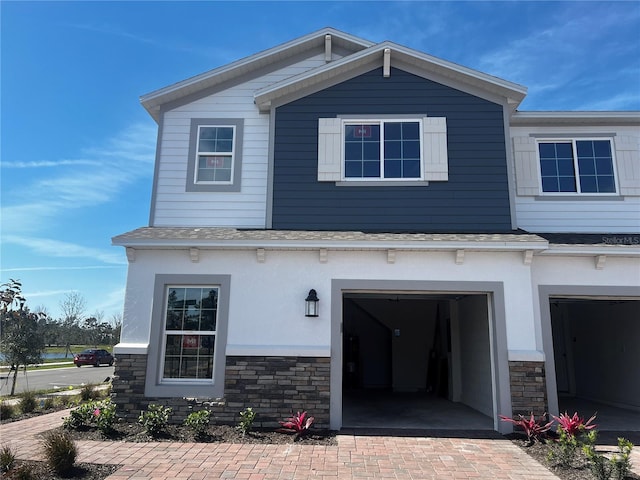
{"x": 457, "y": 246}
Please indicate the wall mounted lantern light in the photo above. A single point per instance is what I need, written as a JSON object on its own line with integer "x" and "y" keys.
{"x": 311, "y": 304}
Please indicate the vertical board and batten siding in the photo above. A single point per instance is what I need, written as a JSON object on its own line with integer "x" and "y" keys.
{"x": 474, "y": 199}
{"x": 550, "y": 213}
{"x": 245, "y": 209}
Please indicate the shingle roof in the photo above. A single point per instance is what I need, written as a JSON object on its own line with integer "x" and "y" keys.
{"x": 204, "y": 235}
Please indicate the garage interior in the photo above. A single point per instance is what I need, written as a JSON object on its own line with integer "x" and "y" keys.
{"x": 417, "y": 361}
{"x": 596, "y": 345}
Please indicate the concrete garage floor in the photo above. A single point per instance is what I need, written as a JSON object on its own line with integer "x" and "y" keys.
{"x": 388, "y": 410}
{"x": 608, "y": 418}
{"x": 382, "y": 409}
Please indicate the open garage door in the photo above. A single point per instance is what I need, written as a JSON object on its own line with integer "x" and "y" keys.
{"x": 597, "y": 358}
{"x": 417, "y": 361}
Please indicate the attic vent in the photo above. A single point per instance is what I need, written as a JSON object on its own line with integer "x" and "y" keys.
{"x": 327, "y": 48}
{"x": 386, "y": 63}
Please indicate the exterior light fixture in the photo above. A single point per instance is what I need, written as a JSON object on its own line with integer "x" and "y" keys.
{"x": 311, "y": 304}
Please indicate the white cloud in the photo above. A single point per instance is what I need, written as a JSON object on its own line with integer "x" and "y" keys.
{"x": 56, "y": 248}
{"x": 113, "y": 301}
{"x": 47, "y": 293}
{"x": 64, "y": 267}
{"x": 98, "y": 177}
{"x": 48, "y": 163}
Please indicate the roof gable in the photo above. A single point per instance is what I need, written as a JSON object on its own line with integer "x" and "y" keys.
{"x": 421, "y": 64}
{"x": 236, "y": 72}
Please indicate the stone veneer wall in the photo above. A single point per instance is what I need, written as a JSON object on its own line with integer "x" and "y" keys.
{"x": 528, "y": 388}
{"x": 274, "y": 387}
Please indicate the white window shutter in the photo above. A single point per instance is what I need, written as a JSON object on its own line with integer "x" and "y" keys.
{"x": 526, "y": 163}
{"x": 434, "y": 149}
{"x": 628, "y": 164}
{"x": 329, "y": 149}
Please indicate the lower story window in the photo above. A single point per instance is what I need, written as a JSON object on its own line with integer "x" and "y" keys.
{"x": 190, "y": 332}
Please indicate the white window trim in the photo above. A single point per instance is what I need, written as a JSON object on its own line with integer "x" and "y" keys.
{"x": 214, "y": 333}
{"x": 381, "y": 122}
{"x": 213, "y": 154}
{"x": 154, "y": 387}
{"x": 576, "y": 170}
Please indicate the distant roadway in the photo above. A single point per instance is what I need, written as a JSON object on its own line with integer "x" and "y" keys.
{"x": 63, "y": 378}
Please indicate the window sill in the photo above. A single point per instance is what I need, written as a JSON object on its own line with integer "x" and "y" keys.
{"x": 609, "y": 197}
{"x": 383, "y": 183}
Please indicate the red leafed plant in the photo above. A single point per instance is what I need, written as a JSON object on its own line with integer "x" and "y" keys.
{"x": 298, "y": 423}
{"x": 534, "y": 429}
{"x": 573, "y": 425}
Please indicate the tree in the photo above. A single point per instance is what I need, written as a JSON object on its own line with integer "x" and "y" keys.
{"x": 20, "y": 339}
{"x": 73, "y": 307}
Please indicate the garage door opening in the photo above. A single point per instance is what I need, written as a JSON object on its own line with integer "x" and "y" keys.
{"x": 417, "y": 361}
{"x": 597, "y": 359}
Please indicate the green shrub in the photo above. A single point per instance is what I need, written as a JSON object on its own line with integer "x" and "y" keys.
{"x": 104, "y": 416}
{"x": 155, "y": 419}
{"x": 7, "y": 410}
{"x": 60, "y": 451}
{"x": 198, "y": 422}
{"x": 49, "y": 403}
{"x": 7, "y": 458}
{"x": 88, "y": 392}
{"x": 247, "y": 417}
{"x": 27, "y": 402}
{"x": 23, "y": 472}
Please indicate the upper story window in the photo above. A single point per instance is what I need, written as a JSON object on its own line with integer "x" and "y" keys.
{"x": 384, "y": 149}
{"x": 215, "y": 155}
{"x": 577, "y": 166}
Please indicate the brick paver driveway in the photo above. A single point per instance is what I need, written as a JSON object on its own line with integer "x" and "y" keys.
{"x": 355, "y": 456}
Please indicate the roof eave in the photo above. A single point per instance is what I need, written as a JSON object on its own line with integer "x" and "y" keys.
{"x": 551, "y": 118}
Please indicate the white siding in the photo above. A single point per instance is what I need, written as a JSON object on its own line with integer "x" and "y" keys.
{"x": 247, "y": 208}
{"x": 575, "y": 214}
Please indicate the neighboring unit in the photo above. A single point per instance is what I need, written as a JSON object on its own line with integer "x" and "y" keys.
{"x": 458, "y": 249}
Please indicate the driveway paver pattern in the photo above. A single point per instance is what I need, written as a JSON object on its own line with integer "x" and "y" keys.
{"x": 355, "y": 457}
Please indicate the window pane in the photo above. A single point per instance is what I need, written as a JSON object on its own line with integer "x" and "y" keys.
{"x": 564, "y": 150}
{"x": 224, "y": 133}
{"x": 586, "y": 166}
{"x": 353, "y": 169}
{"x": 547, "y": 150}
{"x": 393, "y": 131}
{"x": 550, "y": 184}
{"x": 595, "y": 165}
{"x": 567, "y": 184}
{"x": 224, "y": 146}
{"x": 606, "y": 184}
{"x": 411, "y": 150}
{"x": 371, "y": 151}
{"x": 604, "y": 166}
{"x": 411, "y": 169}
{"x": 353, "y": 151}
{"x": 214, "y": 168}
{"x": 370, "y": 169}
{"x": 588, "y": 184}
{"x": 411, "y": 130}
{"x": 548, "y": 168}
{"x": 174, "y": 319}
{"x": 393, "y": 168}
{"x": 392, "y": 150}
{"x": 565, "y": 167}
{"x": 176, "y": 298}
{"x": 208, "y": 320}
{"x": 222, "y": 175}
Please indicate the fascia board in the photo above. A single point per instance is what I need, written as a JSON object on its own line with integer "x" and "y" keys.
{"x": 589, "y": 250}
{"x": 550, "y": 118}
{"x": 152, "y": 101}
{"x": 334, "y": 245}
{"x": 513, "y": 92}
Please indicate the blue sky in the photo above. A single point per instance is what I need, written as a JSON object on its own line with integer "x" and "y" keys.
{"x": 77, "y": 149}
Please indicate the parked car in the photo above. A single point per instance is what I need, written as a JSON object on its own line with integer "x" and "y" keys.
{"x": 93, "y": 356}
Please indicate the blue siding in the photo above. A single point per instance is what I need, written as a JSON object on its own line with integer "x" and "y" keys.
{"x": 475, "y": 199}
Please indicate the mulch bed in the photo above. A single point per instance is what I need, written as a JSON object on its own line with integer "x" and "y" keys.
{"x": 134, "y": 432}
{"x": 41, "y": 471}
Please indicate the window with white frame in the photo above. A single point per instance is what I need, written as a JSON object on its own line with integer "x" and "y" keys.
{"x": 578, "y": 166}
{"x": 215, "y": 154}
{"x": 189, "y": 338}
{"x": 386, "y": 149}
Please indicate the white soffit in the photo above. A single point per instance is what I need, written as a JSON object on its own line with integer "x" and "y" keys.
{"x": 319, "y": 78}
{"x": 152, "y": 101}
